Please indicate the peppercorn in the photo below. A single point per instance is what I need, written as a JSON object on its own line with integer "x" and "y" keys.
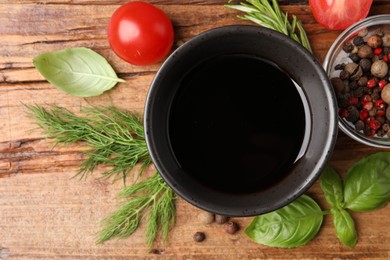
{"x": 231, "y": 227}
{"x": 347, "y": 47}
{"x": 353, "y": 114}
{"x": 362, "y": 82}
{"x": 359, "y": 125}
{"x": 379, "y": 69}
{"x": 380, "y": 132}
{"x": 385, "y": 94}
{"x": 363, "y": 33}
{"x": 386, "y": 40}
{"x": 388, "y": 113}
{"x": 374, "y": 41}
{"x": 205, "y": 217}
{"x": 338, "y": 85}
{"x": 221, "y": 219}
{"x": 358, "y": 92}
{"x": 344, "y": 75}
{"x": 353, "y": 85}
{"x": 355, "y": 57}
{"x": 339, "y": 66}
{"x": 386, "y": 127}
{"x": 199, "y": 237}
{"x": 365, "y": 64}
{"x": 364, "y": 52}
{"x": 358, "y": 41}
{"x": 381, "y": 119}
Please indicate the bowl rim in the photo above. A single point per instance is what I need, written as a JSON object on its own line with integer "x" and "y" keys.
{"x": 375, "y": 20}
{"x": 322, "y": 155}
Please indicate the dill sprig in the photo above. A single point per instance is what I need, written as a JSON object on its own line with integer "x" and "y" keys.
{"x": 115, "y": 137}
{"x": 150, "y": 198}
{"x": 270, "y": 16}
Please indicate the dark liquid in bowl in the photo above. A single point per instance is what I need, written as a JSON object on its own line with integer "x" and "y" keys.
{"x": 237, "y": 124}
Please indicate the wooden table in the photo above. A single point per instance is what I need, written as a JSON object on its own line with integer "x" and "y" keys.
{"x": 44, "y": 213}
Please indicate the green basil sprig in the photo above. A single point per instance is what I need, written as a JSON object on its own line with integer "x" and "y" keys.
{"x": 344, "y": 226}
{"x": 366, "y": 187}
{"x": 291, "y": 226}
{"x": 79, "y": 72}
{"x": 331, "y": 185}
{"x": 367, "y": 184}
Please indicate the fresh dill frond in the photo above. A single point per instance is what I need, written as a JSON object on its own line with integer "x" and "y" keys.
{"x": 151, "y": 199}
{"x": 262, "y": 13}
{"x": 115, "y": 137}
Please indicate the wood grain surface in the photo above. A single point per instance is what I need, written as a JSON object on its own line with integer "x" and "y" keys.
{"x": 47, "y": 214}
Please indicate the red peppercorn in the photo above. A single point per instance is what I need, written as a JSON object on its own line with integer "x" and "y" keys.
{"x": 368, "y": 120}
{"x": 353, "y": 100}
{"x": 368, "y": 105}
{"x": 366, "y": 98}
{"x": 380, "y": 112}
{"x": 380, "y": 104}
{"x": 363, "y": 114}
{"x": 371, "y": 83}
{"x": 378, "y": 51}
{"x": 385, "y": 58}
{"x": 343, "y": 112}
{"x": 374, "y": 124}
{"x": 369, "y": 132}
{"x": 382, "y": 83}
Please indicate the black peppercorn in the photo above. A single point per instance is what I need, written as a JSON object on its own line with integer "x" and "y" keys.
{"x": 359, "y": 125}
{"x": 353, "y": 114}
{"x": 347, "y": 47}
{"x": 231, "y": 227}
{"x": 199, "y": 237}
{"x": 355, "y": 57}
{"x": 365, "y": 64}
{"x": 358, "y": 92}
{"x": 344, "y": 75}
{"x": 221, "y": 219}
{"x": 338, "y": 85}
{"x": 362, "y": 82}
{"x": 358, "y": 41}
{"x": 339, "y": 66}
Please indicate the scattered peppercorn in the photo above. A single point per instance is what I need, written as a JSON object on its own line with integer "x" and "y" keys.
{"x": 205, "y": 217}
{"x": 221, "y": 219}
{"x": 231, "y": 227}
{"x": 199, "y": 237}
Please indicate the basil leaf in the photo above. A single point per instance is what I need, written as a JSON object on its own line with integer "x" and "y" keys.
{"x": 367, "y": 184}
{"x": 332, "y": 187}
{"x": 344, "y": 226}
{"x": 77, "y": 71}
{"x": 291, "y": 226}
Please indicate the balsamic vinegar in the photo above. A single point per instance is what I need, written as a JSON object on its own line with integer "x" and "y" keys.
{"x": 237, "y": 124}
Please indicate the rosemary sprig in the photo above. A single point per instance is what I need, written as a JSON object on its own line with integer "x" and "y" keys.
{"x": 116, "y": 138}
{"x": 270, "y": 16}
{"x": 150, "y": 198}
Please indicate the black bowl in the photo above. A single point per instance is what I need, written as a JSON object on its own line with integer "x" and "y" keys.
{"x": 300, "y": 66}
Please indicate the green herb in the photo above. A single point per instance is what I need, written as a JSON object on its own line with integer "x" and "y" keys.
{"x": 270, "y": 16}
{"x": 291, "y": 226}
{"x": 150, "y": 198}
{"x": 367, "y": 184}
{"x": 77, "y": 71}
{"x": 331, "y": 185}
{"x": 344, "y": 226}
{"x": 116, "y": 138}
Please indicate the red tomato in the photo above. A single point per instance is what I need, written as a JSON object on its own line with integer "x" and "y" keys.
{"x": 140, "y": 33}
{"x": 339, "y": 14}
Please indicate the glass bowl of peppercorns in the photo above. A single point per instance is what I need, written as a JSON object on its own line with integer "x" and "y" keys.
{"x": 358, "y": 64}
